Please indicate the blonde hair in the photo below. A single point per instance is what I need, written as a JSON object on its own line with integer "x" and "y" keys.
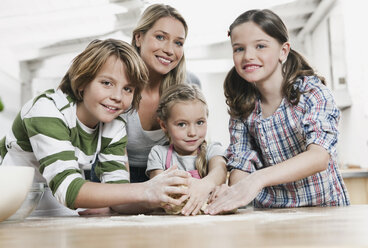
{"x": 86, "y": 66}
{"x": 149, "y": 17}
{"x": 184, "y": 93}
{"x": 240, "y": 94}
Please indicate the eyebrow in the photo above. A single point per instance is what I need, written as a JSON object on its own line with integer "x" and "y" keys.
{"x": 259, "y": 40}
{"x": 166, "y": 33}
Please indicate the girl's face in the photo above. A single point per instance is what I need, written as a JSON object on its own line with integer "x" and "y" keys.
{"x": 161, "y": 47}
{"x": 107, "y": 96}
{"x": 257, "y": 56}
{"x": 186, "y": 126}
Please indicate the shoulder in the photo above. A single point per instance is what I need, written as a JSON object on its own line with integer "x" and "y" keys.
{"x": 313, "y": 90}
{"x": 160, "y": 149}
{"x": 215, "y": 148}
{"x": 51, "y": 103}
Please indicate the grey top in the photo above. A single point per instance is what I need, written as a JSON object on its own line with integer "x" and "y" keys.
{"x": 141, "y": 141}
{"x": 157, "y": 157}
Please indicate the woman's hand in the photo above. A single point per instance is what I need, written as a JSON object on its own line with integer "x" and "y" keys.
{"x": 240, "y": 194}
{"x": 160, "y": 189}
{"x": 199, "y": 192}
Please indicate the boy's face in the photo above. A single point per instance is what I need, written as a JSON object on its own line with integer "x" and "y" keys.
{"x": 107, "y": 96}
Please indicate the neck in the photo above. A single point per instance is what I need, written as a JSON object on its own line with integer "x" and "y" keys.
{"x": 271, "y": 89}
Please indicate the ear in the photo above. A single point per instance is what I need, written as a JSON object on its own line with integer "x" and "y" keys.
{"x": 138, "y": 39}
{"x": 162, "y": 125}
{"x": 284, "y": 52}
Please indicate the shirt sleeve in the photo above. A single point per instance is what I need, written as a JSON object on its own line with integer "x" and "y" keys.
{"x": 215, "y": 149}
{"x": 51, "y": 143}
{"x": 240, "y": 153}
{"x": 321, "y": 117}
{"x": 156, "y": 159}
{"x": 112, "y": 159}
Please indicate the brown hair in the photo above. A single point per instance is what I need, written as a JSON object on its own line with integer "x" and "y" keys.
{"x": 87, "y": 64}
{"x": 183, "y": 93}
{"x": 240, "y": 94}
{"x": 149, "y": 17}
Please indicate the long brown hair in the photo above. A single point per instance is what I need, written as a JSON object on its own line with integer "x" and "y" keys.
{"x": 240, "y": 94}
{"x": 86, "y": 66}
{"x": 149, "y": 17}
{"x": 184, "y": 93}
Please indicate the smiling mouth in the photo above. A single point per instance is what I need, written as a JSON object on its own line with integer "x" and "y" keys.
{"x": 164, "y": 61}
{"x": 251, "y": 67}
{"x": 110, "y": 109}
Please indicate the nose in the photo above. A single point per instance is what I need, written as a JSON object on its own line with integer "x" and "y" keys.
{"x": 117, "y": 95}
{"x": 192, "y": 131}
{"x": 248, "y": 54}
{"x": 168, "y": 48}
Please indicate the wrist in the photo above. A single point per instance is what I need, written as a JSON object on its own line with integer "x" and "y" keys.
{"x": 258, "y": 179}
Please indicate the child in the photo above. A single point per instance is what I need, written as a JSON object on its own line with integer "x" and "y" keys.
{"x": 61, "y": 132}
{"x": 283, "y": 124}
{"x": 182, "y": 114}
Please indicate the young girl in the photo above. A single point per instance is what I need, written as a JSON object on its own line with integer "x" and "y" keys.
{"x": 283, "y": 123}
{"x": 182, "y": 114}
{"x": 61, "y": 132}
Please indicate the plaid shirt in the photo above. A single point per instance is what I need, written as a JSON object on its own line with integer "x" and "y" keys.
{"x": 257, "y": 143}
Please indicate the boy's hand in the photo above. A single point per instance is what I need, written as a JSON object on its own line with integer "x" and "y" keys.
{"x": 160, "y": 188}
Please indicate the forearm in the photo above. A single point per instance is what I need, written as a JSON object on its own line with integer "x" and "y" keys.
{"x": 216, "y": 171}
{"x": 94, "y": 195}
{"x": 236, "y": 176}
{"x": 305, "y": 164}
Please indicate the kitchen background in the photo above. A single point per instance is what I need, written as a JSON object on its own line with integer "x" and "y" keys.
{"x": 39, "y": 38}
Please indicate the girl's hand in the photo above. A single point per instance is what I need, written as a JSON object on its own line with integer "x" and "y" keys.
{"x": 160, "y": 189}
{"x": 238, "y": 195}
{"x": 199, "y": 192}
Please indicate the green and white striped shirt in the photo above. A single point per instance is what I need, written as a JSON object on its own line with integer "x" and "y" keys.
{"x": 47, "y": 135}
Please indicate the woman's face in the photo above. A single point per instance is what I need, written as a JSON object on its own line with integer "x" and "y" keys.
{"x": 161, "y": 47}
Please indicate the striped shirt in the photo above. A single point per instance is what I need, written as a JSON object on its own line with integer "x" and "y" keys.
{"x": 257, "y": 143}
{"x": 47, "y": 135}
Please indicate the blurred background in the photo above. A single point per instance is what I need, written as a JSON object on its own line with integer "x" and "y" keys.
{"x": 39, "y": 38}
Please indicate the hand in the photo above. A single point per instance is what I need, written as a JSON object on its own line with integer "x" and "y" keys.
{"x": 218, "y": 192}
{"x": 161, "y": 189}
{"x": 238, "y": 195}
{"x": 96, "y": 211}
{"x": 199, "y": 191}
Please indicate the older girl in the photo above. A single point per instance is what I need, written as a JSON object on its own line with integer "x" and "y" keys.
{"x": 283, "y": 123}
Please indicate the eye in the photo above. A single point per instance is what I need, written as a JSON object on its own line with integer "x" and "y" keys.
{"x": 200, "y": 123}
{"x": 181, "y": 124}
{"x": 106, "y": 83}
{"x": 160, "y": 37}
{"x": 179, "y": 43}
{"x": 260, "y": 46}
{"x": 238, "y": 49}
{"x": 129, "y": 89}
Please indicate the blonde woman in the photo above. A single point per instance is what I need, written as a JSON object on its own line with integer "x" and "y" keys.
{"x": 159, "y": 38}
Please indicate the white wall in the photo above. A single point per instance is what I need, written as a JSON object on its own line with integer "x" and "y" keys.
{"x": 353, "y": 138}
{"x": 354, "y": 125}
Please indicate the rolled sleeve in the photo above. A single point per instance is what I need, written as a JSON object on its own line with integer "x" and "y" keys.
{"x": 240, "y": 154}
{"x": 321, "y": 119}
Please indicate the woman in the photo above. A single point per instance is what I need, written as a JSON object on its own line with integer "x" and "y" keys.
{"x": 159, "y": 38}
